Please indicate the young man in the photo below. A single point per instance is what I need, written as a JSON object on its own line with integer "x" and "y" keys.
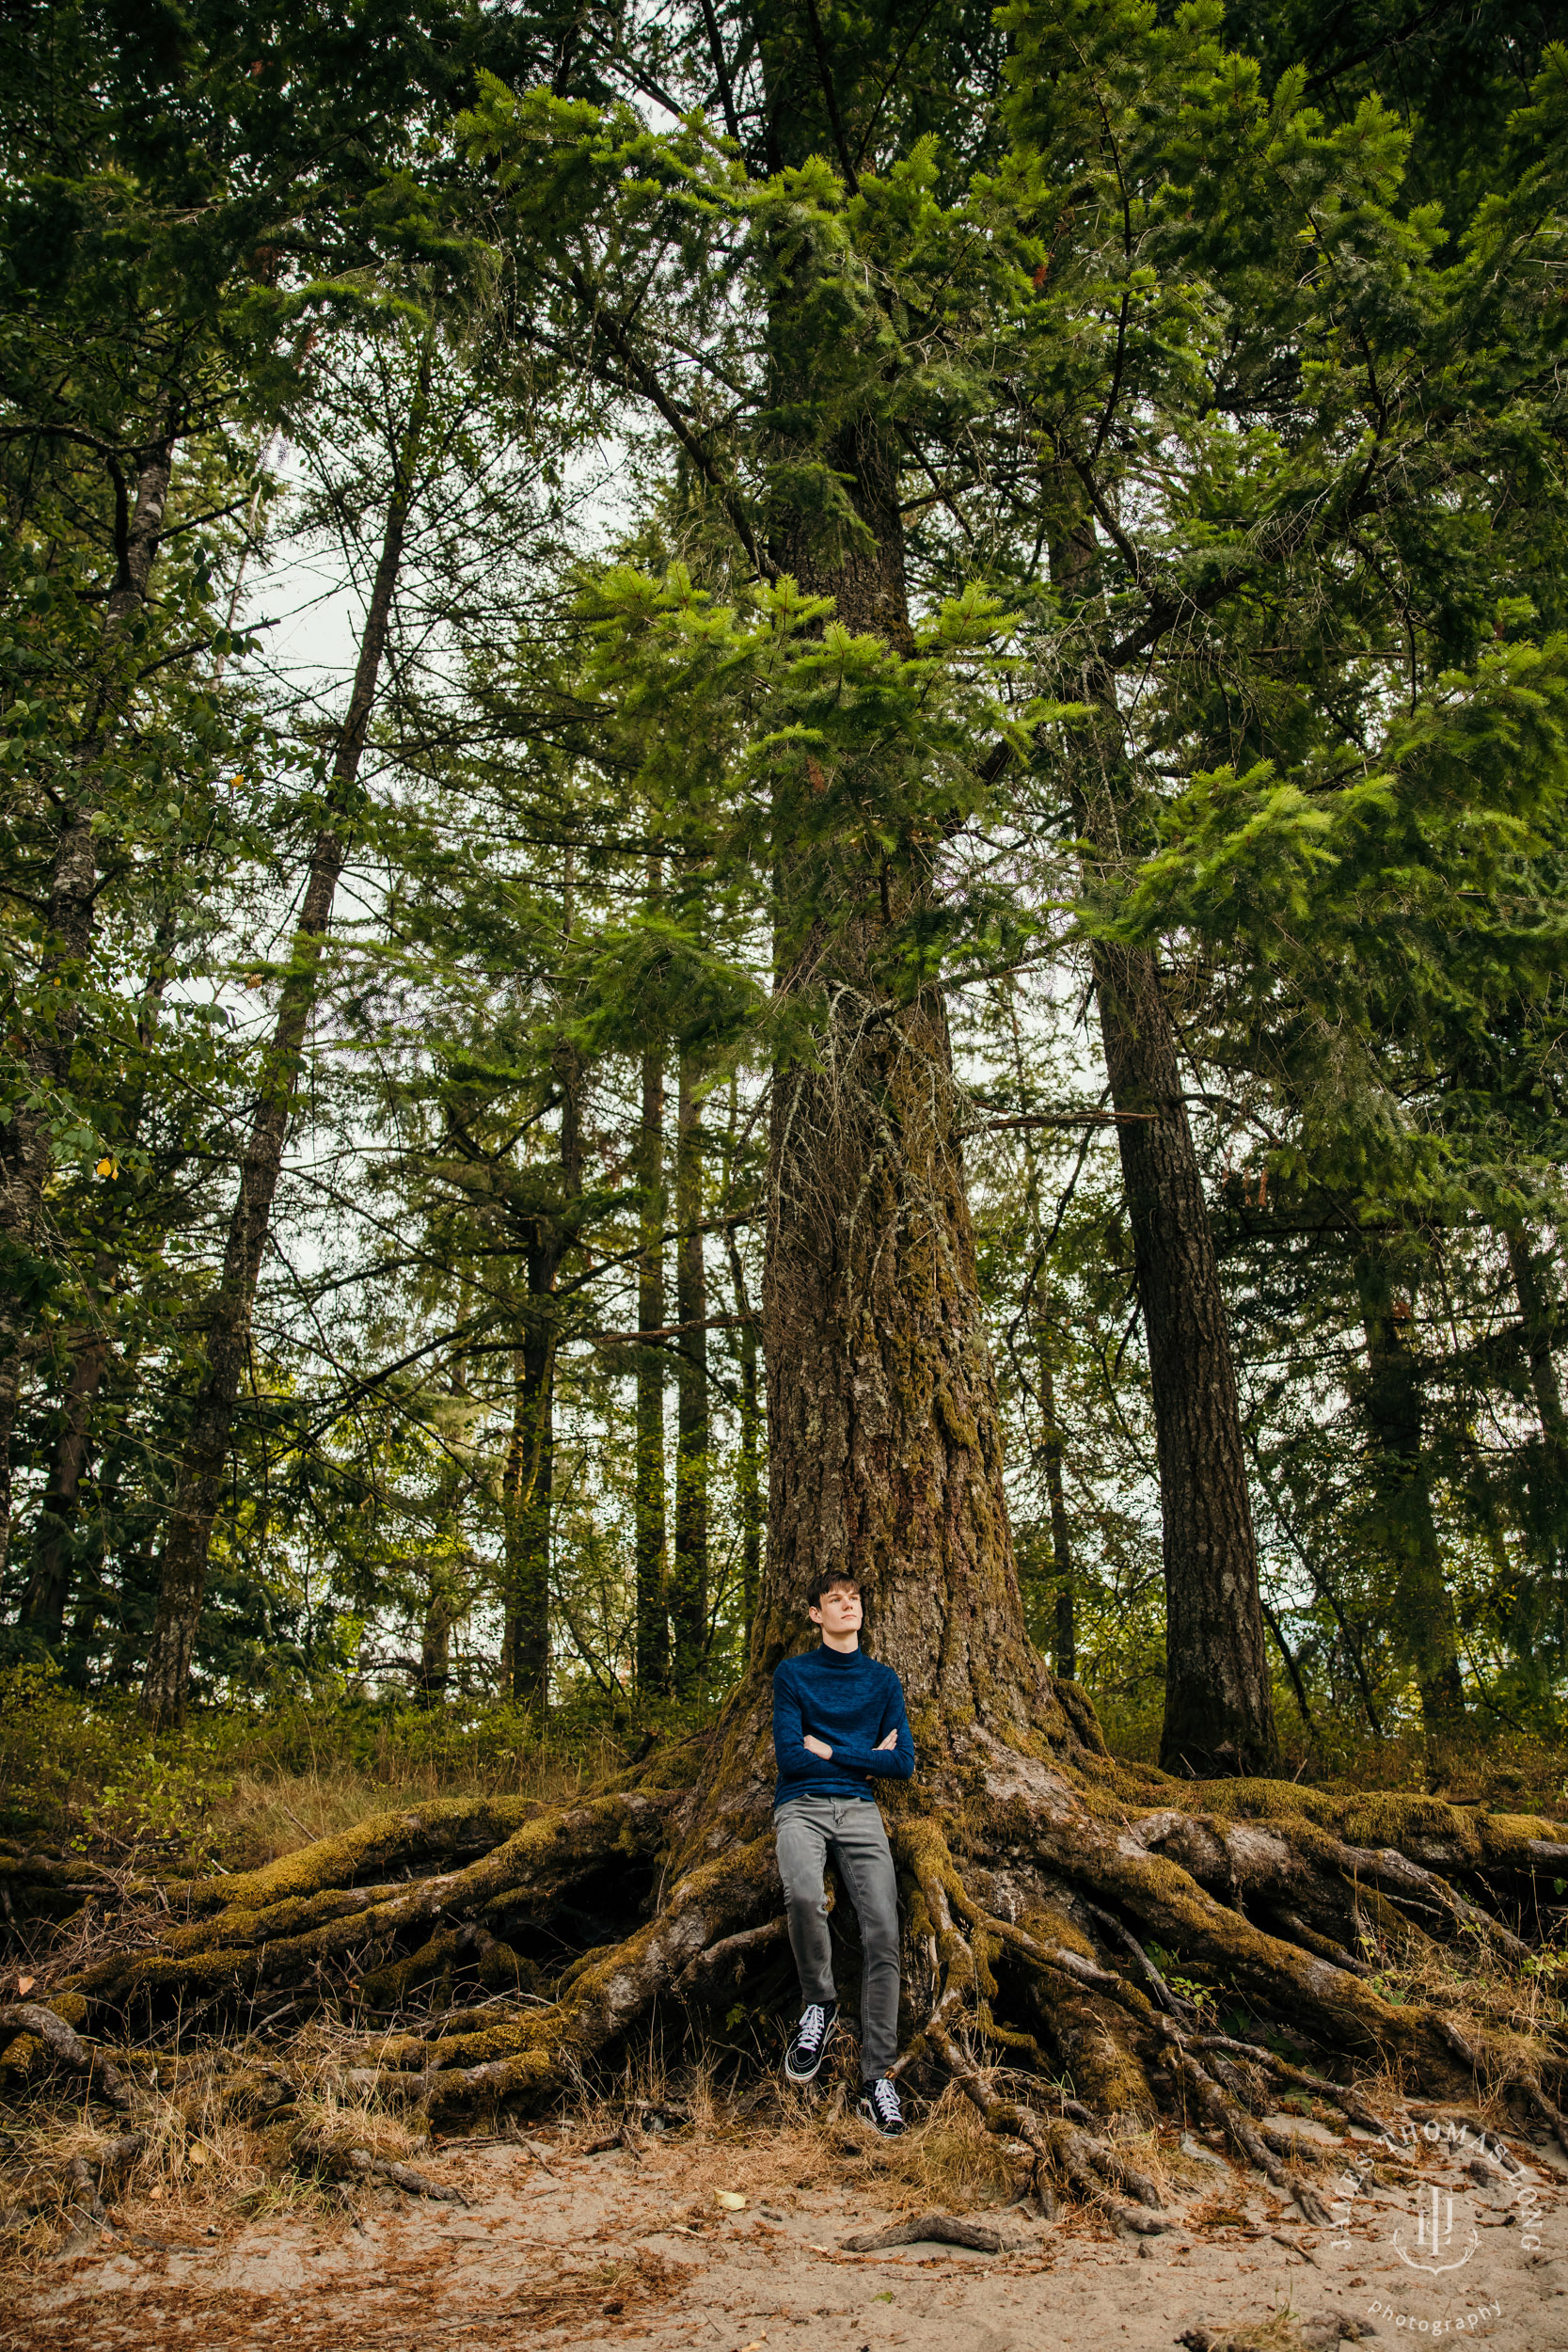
{"x": 838, "y": 1719}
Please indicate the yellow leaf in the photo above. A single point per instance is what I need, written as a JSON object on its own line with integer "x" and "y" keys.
{"x": 197, "y": 2155}
{"x": 730, "y": 2199}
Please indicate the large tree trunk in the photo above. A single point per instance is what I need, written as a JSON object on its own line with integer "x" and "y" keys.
{"x": 1402, "y": 1524}
{"x": 183, "y": 1568}
{"x": 26, "y": 1151}
{"x": 652, "y": 1629}
{"x": 688, "y": 1581}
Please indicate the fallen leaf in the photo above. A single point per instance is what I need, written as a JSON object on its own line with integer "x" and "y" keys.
{"x": 23, "y": 1986}
{"x": 154, "y": 2194}
{"x": 197, "y": 2155}
{"x": 730, "y": 2199}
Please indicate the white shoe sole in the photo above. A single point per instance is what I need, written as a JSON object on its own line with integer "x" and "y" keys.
{"x": 791, "y": 2074}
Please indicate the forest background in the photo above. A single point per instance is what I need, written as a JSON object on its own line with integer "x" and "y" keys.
{"x": 392, "y": 1007}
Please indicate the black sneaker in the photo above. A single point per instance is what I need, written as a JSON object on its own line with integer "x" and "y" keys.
{"x": 803, "y": 2057}
{"x": 879, "y": 2107}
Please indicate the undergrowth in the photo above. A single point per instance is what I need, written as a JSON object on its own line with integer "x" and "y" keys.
{"x": 241, "y": 1787}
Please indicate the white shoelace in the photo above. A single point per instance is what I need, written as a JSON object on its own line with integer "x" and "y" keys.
{"x": 814, "y": 2024}
{"x": 885, "y": 2100}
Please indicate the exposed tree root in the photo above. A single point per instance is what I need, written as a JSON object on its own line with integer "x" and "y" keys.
{"x": 1073, "y": 1939}
{"x": 935, "y": 2228}
{"x": 32, "y": 2019}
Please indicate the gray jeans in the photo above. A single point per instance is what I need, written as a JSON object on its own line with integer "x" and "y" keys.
{"x": 809, "y": 1828}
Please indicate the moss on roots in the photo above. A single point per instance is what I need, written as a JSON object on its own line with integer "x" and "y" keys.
{"x": 1065, "y": 1919}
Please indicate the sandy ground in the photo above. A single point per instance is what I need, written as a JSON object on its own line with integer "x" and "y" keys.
{"x": 560, "y": 2250}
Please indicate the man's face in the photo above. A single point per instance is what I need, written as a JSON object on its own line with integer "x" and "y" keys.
{"x": 841, "y": 1612}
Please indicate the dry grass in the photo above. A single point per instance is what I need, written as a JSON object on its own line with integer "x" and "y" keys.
{"x": 264, "y": 1813}
{"x": 607, "y": 2290}
{"x": 200, "y": 2163}
{"x": 801, "y": 2142}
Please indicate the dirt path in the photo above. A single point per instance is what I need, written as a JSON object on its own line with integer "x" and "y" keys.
{"x": 562, "y": 2250}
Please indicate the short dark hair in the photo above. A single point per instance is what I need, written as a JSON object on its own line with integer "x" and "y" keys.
{"x": 825, "y": 1579}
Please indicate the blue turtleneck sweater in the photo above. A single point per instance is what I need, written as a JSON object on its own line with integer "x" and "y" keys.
{"x": 849, "y": 1701}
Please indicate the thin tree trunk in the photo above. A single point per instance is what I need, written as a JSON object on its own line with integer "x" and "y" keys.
{"x": 435, "y": 1645}
{"x": 43, "y": 1603}
{"x": 689, "y": 1582}
{"x": 748, "y": 1466}
{"x": 1053, "y": 1439}
{"x": 1219, "y": 1697}
{"x": 1402, "y": 1524}
{"x": 530, "y": 1524}
{"x": 652, "y": 1632}
{"x": 25, "y": 1145}
{"x": 183, "y": 1568}
{"x": 513, "y": 1488}
{"x": 528, "y": 1528}
{"x": 1055, "y": 1445}
{"x": 1537, "y": 1321}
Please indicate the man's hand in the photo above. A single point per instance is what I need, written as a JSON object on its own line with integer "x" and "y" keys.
{"x": 817, "y": 1747}
{"x": 891, "y": 1741}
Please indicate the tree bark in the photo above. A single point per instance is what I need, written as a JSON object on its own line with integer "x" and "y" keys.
{"x": 1054, "y": 1444}
{"x": 548, "y": 1233}
{"x": 183, "y": 1568}
{"x": 748, "y": 1466}
{"x": 527, "y": 1525}
{"x": 1537, "y": 1324}
{"x": 26, "y": 1150}
{"x": 1219, "y": 1698}
{"x": 1547, "y": 1477}
{"x": 885, "y": 1451}
{"x": 652, "y": 1633}
{"x": 1053, "y": 1439}
{"x": 689, "y": 1596}
{"x": 1401, "y": 1523}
